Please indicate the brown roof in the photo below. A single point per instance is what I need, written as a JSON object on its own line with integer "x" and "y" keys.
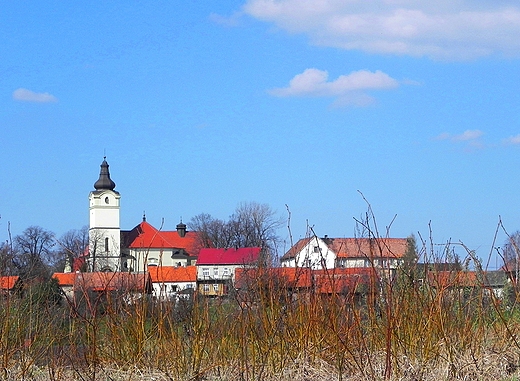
{"x": 357, "y": 247}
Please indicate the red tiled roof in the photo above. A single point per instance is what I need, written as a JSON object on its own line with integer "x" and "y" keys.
{"x": 281, "y": 277}
{"x": 108, "y": 281}
{"x": 347, "y": 280}
{"x": 65, "y": 279}
{"x": 240, "y": 256}
{"x": 161, "y": 274}
{"x": 357, "y": 247}
{"x": 8, "y": 282}
{"x": 145, "y": 235}
{"x": 330, "y": 281}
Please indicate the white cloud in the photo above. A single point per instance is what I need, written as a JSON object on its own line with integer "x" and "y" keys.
{"x": 515, "y": 140}
{"x": 348, "y": 89}
{"x": 25, "y": 95}
{"x": 470, "y": 137}
{"x": 442, "y": 29}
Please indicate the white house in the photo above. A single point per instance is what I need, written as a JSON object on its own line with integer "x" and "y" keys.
{"x": 327, "y": 253}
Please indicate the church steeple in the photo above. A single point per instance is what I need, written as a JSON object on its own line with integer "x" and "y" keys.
{"x": 104, "y": 181}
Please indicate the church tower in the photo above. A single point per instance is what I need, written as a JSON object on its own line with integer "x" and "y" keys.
{"x": 104, "y": 232}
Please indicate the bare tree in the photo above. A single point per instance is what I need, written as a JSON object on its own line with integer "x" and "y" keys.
{"x": 72, "y": 245}
{"x": 34, "y": 253}
{"x": 251, "y": 225}
{"x": 212, "y": 232}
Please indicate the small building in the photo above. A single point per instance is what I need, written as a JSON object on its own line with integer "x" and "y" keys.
{"x": 216, "y": 268}
{"x": 173, "y": 283}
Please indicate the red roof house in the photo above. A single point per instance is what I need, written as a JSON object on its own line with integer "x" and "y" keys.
{"x": 147, "y": 246}
{"x": 216, "y": 268}
{"x": 173, "y": 282}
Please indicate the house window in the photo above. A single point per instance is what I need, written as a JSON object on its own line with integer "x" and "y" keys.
{"x": 206, "y": 288}
{"x": 205, "y": 272}
{"x": 316, "y": 249}
{"x": 215, "y": 271}
{"x": 215, "y": 287}
{"x": 226, "y": 271}
{"x": 106, "y": 244}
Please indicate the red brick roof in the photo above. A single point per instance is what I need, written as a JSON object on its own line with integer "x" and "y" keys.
{"x": 162, "y": 274}
{"x": 145, "y": 235}
{"x": 8, "y": 282}
{"x": 357, "y": 247}
{"x": 240, "y": 256}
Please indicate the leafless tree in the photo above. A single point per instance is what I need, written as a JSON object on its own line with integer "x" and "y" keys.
{"x": 251, "y": 225}
{"x": 34, "y": 252}
{"x": 72, "y": 245}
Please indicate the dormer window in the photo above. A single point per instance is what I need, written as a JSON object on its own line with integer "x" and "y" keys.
{"x": 107, "y": 201}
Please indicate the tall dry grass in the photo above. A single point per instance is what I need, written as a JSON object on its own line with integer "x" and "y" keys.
{"x": 396, "y": 329}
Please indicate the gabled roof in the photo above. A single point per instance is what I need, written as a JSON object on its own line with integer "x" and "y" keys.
{"x": 7, "y": 283}
{"x": 65, "y": 279}
{"x": 240, "y": 256}
{"x": 108, "y": 281}
{"x": 356, "y": 247}
{"x": 145, "y": 236}
{"x": 170, "y": 274}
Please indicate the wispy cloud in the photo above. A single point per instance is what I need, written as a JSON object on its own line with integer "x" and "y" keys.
{"x": 512, "y": 140}
{"x": 347, "y": 89}
{"x": 470, "y": 137}
{"x": 24, "y": 95}
{"x": 443, "y": 29}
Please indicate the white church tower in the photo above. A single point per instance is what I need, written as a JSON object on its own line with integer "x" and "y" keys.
{"x": 104, "y": 232}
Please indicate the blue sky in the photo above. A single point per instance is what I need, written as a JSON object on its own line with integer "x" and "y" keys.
{"x": 202, "y": 105}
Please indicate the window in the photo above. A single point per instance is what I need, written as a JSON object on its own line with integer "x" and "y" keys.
{"x": 316, "y": 249}
{"x": 206, "y": 288}
{"x": 215, "y": 287}
{"x": 205, "y": 272}
{"x": 215, "y": 271}
{"x": 226, "y": 272}
{"x": 106, "y": 244}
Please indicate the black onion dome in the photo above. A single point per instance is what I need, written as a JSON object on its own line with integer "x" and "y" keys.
{"x": 104, "y": 181}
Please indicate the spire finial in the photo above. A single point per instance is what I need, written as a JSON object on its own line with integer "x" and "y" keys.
{"x": 104, "y": 181}
{"x": 144, "y": 216}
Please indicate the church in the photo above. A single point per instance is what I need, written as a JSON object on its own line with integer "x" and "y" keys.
{"x": 115, "y": 250}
